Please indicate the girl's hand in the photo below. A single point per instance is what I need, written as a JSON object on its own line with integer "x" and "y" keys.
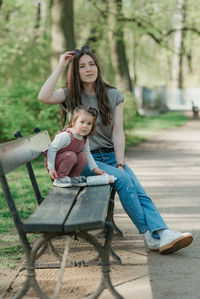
{"x": 65, "y": 58}
{"x": 98, "y": 171}
{"x": 53, "y": 174}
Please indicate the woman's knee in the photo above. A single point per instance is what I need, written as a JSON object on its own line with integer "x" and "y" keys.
{"x": 124, "y": 180}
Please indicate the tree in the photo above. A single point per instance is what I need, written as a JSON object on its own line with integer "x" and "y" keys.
{"x": 111, "y": 12}
{"x": 62, "y": 29}
{"x": 177, "y": 59}
{"x": 40, "y": 18}
{"x": 118, "y": 51}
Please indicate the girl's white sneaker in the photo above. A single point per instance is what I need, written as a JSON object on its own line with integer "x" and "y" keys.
{"x": 62, "y": 182}
{"x": 79, "y": 181}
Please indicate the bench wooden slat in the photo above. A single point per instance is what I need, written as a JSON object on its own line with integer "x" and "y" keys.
{"x": 17, "y": 152}
{"x": 52, "y": 212}
{"x": 90, "y": 210}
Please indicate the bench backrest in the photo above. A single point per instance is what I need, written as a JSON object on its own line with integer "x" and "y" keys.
{"x": 14, "y": 154}
{"x": 22, "y": 150}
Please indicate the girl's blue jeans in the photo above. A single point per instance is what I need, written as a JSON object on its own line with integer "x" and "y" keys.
{"x": 133, "y": 197}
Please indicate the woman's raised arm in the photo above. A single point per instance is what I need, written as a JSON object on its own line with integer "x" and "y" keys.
{"x": 47, "y": 93}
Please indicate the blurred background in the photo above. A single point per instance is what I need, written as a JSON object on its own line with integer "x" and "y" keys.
{"x": 148, "y": 49}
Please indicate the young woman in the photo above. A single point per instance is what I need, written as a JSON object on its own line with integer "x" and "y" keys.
{"x": 69, "y": 152}
{"x": 85, "y": 86}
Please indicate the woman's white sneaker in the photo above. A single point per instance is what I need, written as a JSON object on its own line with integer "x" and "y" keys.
{"x": 152, "y": 243}
{"x": 173, "y": 241}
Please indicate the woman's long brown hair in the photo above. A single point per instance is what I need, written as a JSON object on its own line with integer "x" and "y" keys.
{"x": 75, "y": 88}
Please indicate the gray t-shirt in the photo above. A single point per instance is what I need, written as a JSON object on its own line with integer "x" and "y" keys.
{"x": 103, "y": 137}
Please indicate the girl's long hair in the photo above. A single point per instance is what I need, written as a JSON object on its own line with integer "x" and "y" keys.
{"x": 75, "y": 88}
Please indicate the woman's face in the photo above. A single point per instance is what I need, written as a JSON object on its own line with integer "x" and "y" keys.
{"x": 87, "y": 69}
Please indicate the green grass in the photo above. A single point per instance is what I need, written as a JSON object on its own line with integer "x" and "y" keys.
{"x": 137, "y": 129}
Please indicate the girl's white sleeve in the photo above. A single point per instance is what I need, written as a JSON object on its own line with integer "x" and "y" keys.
{"x": 90, "y": 160}
{"x": 60, "y": 141}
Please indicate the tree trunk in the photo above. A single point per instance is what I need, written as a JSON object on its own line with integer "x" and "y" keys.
{"x": 62, "y": 29}
{"x": 132, "y": 63}
{"x": 116, "y": 39}
{"x": 43, "y": 15}
{"x": 177, "y": 60}
{"x": 37, "y": 22}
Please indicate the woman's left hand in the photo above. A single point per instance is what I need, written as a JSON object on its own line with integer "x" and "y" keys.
{"x": 98, "y": 171}
{"x": 121, "y": 167}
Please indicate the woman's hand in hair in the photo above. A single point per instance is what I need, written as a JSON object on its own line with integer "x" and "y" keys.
{"x": 98, "y": 171}
{"x": 65, "y": 58}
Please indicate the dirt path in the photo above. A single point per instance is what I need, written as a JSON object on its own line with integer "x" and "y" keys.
{"x": 168, "y": 166}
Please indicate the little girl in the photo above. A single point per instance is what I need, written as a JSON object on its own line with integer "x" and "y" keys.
{"x": 69, "y": 152}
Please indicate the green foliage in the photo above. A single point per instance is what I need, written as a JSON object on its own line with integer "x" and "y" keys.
{"x": 18, "y": 108}
{"x": 130, "y": 111}
{"x": 21, "y": 110}
{"x": 24, "y": 64}
{"x": 24, "y": 46}
{"x": 9, "y": 256}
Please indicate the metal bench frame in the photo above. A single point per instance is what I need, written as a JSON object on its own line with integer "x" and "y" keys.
{"x": 23, "y": 151}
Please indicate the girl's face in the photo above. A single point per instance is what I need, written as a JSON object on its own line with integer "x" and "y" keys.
{"x": 83, "y": 125}
{"x": 87, "y": 69}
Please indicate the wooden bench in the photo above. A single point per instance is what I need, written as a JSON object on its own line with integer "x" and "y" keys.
{"x": 64, "y": 211}
{"x": 195, "y": 109}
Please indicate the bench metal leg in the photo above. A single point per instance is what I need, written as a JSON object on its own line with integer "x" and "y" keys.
{"x": 115, "y": 256}
{"x": 110, "y": 216}
{"x": 105, "y": 283}
{"x": 41, "y": 250}
{"x": 30, "y": 277}
{"x": 30, "y": 282}
{"x": 59, "y": 257}
{"x": 118, "y": 231}
{"x": 54, "y": 252}
{"x": 104, "y": 252}
{"x": 23, "y": 290}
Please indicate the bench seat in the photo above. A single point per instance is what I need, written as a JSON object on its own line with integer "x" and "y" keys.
{"x": 67, "y": 210}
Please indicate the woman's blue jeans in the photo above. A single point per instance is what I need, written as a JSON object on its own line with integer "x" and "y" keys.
{"x": 133, "y": 197}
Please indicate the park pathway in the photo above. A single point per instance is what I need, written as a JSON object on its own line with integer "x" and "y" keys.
{"x": 168, "y": 166}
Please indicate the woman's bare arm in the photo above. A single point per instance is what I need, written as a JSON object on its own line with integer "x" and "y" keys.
{"x": 47, "y": 93}
{"x": 118, "y": 137}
